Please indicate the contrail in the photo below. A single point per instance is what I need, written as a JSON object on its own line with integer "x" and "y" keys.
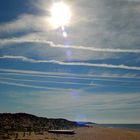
{"x": 62, "y": 75}
{"x": 52, "y": 45}
{"x": 30, "y": 60}
{"x": 45, "y": 81}
{"x": 32, "y": 86}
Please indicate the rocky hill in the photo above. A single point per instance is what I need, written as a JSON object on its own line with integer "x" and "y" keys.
{"x": 28, "y": 122}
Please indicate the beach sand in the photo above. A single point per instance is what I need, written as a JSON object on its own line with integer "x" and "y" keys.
{"x": 91, "y": 133}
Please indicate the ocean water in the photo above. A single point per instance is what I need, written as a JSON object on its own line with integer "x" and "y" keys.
{"x": 127, "y": 126}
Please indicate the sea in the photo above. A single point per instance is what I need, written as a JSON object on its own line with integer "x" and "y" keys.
{"x": 126, "y": 126}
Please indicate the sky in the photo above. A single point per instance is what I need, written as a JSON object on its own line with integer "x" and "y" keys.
{"x": 92, "y": 74}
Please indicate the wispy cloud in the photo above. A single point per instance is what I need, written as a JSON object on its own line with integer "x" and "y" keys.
{"x": 30, "y": 60}
{"x": 25, "y": 22}
{"x": 84, "y": 103}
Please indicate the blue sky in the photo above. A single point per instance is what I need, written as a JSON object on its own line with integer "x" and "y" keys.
{"x": 92, "y": 75}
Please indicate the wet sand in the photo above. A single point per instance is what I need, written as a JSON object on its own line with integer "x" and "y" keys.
{"x": 92, "y": 133}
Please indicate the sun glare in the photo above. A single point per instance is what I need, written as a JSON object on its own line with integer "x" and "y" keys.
{"x": 60, "y": 14}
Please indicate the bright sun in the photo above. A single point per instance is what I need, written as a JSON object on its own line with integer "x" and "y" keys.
{"x": 60, "y": 15}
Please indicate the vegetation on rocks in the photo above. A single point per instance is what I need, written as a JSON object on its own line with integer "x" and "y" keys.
{"x": 28, "y": 122}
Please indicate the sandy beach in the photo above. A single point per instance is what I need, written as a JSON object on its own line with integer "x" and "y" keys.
{"x": 92, "y": 133}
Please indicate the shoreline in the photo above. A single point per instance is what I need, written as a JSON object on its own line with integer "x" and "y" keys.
{"x": 122, "y": 126}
